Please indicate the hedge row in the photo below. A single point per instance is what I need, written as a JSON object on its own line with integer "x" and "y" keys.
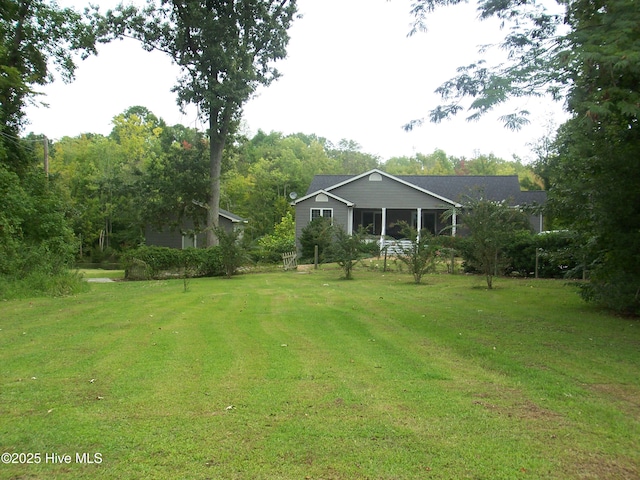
{"x": 145, "y": 263}
{"x": 558, "y": 255}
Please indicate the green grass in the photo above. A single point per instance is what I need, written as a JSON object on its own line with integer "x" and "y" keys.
{"x": 294, "y": 376}
{"x": 101, "y": 273}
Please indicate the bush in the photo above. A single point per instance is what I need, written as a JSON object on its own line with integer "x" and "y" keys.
{"x": 283, "y": 240}
{"x": 347, "y": 250}
{"x": 42, "y": 284}
{"x": 145, "y": 263}
{"x": 319, "y": 232}
{"x": 232, "y": 254}
{"x": 557, "y": 255}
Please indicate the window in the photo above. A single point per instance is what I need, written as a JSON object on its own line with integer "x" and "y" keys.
{"x": 322, "y": 212}
{"x": 189, "y": 241}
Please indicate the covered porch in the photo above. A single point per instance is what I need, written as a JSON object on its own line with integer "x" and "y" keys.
{"x": 385, "y": 222}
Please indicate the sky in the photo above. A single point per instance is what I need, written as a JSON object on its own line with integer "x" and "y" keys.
{"x": 351, "y": 73}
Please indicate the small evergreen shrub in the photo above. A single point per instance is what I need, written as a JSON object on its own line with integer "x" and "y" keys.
{"x": 318, "y": 232}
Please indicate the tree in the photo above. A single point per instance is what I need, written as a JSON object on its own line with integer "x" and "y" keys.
{"x": 175, "y": 185}
{"x": 346, "y": 250}
{"x": 225, "y": 48}
{"x": 419, "y": 255}
{"x": 538, "y": 63}
{"x": 491, "y": 225}
{"x": 587, "y": 53}
{"x": 34, "y": 36}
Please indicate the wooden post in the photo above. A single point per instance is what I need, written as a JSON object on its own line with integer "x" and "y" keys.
{"x": 315, "y": 257}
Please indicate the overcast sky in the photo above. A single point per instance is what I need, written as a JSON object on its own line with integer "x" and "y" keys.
{"x": 351, "y": 73}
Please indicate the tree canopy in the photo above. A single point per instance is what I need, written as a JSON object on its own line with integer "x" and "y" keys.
{"x": 35, "y": 36}
{"x": 587, "y": 53}
{"x": 225, "y": 50}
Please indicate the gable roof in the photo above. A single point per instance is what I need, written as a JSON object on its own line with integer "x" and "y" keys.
{"x": 231, "y": 216}
{"x": 328, "y": 194}
{"x": 398, "y": 178}
{"x": 451, "y": 188}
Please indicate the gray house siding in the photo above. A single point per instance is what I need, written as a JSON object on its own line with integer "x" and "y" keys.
{"x": 381, "y": 201}
{"x": 177, "y": 238}
{"x": 387, "y": 192}
{"x": 340, "y": 212}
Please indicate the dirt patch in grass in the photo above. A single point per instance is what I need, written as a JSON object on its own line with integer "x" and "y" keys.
{"x": 625, "y": 397}
{"x": 598, "y": 467}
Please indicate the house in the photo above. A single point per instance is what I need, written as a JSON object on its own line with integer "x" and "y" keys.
{"x": 379, "y": 200}
{"x": 185, "y": 237}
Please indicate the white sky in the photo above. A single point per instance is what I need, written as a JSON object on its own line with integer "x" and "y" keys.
{"x": 351, "y": 72}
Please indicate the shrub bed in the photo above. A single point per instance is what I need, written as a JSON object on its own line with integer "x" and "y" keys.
{"x": 146, "y": 263}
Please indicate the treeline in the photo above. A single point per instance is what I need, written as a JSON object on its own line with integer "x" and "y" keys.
{"x": 146, "y": 172}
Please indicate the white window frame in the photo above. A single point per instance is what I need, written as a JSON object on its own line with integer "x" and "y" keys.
{"x": 189, "y": 240}
{"x": 322, "y": 213}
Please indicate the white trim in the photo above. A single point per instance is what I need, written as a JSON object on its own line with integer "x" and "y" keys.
{"x": 322, "y": 210}
{"x": 383, "y": 227}
{"x": 331, "y": 195}
{"x": 192, "y": 237}
{"x": 350, "y": 220}
{"x": 454, "y": 223}
{"x": 391, "y": 177}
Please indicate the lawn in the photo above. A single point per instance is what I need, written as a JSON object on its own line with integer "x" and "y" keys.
{"x": 305, "y": 376}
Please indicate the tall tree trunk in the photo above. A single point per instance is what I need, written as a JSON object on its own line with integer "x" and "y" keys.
{"x": 216, "y": 146}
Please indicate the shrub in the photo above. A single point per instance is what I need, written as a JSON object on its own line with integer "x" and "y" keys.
{"x": 346, "y": 249}
{"x": 558, "y": 255}
{"x": 319, "y": 232}
{"x": 419, "y": 255}
{"x": 42, "y": 284}
{"x": 145, "y": 262}
{"x": 232, "y": 254}
{"x": 282, "y": 240}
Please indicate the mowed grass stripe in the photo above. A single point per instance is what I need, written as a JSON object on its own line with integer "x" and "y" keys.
{"x": 293, "y": 376}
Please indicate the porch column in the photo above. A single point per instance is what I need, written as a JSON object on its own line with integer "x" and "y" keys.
{"x": 350, "y": 220}
{"x": 454, "y": 222}
{"x": 383, "y": 227}
{"x": 419, "y": 222}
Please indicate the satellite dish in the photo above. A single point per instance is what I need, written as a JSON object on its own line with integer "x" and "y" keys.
{"x": 293, "y": 195}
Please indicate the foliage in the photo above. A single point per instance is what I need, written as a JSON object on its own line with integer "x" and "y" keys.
{"x": 595, "y": 172}
{"x": 282, "y": 240}
{"x": 346, "y": 249}
{"x": 225, "y": 50}
{"x": 420, "y": 255}
{"x": 34, "y": 37}
{"x": 145, "y": 263}
{"x": 317, "y": 232}
{"x": 558, "y": 255}
{"x": 587, "y": 53}
{"x": 176, "y": 183}
{"x": 232, "y": 253}
{"x": 38, "y": 283}
{"x": 537, "y": 63}
{"x": 492, "y": 226}
{"x": 439, "y": 163}
{"x": 34, "y": 233}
